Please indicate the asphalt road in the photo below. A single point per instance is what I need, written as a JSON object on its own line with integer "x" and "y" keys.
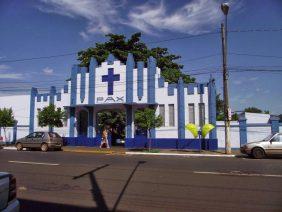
{"x": 64, "y": 181}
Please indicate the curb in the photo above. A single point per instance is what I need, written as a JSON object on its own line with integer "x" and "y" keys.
{"x": 182, "y": 155}
{"x": 93, "y": 151}
{"x": 9, "y": 148}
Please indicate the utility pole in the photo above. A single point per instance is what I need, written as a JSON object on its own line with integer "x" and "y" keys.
{"x": 227, "y": 111}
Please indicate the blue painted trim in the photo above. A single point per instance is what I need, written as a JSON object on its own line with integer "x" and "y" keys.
{"x": 151, "y": 79}
{"x": 33, "y": 94}
{"x": 212, "y": 107}
{"x": 72, "y": 120}
{"x": 74, "y": 72}
{"x": 59, "y": 96}
{"x": 111, "y": 59}
{"x": 129, "y": 121}
{"x": 82, "y": 83}
{"x": 201, "y": 88}
{"x": 45, "y": 97}
{"x": 243, "y": 131}
{"x": 90, "y": 122}
{"x": 191, "y": 87}
{"x": 52, "y": 95}
{"x": 38, "y": 97}
{"x": 170, "y": 89}
{"x": 66, "y": 88}
{"x": 129, "y": 78}
{"x": 15, "y": 128}
{"x": 274, "y": 121}
{"x": 140, "y": 78}
{"x": 92, "y": 74}
{"x": 161, "y": 82}
{"x": 181, "y": 109}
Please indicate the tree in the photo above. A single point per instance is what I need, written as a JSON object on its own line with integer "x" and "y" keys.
{"x": 253, "y": 110}
{"x": 6, "y": 119}
{"x": 147, "y": 120}
{"x": 50, "y": 116}
{"x": 219, "y": 108}
{"x": 120, "y": 47}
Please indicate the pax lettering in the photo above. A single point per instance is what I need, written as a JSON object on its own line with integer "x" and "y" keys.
{"x": 115, "y": 99}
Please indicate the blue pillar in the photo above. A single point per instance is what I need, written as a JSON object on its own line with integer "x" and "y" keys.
{"x": 140, "y": 76}
{"x": 82, "y": 83}
{"x": 92, "y": 74}
{"x": 181, "y": 109}
{"x": 212, "y": 107}
{"x": 74, "y": 72}
{"x": 52, "y": 95}
{"x": 15, "y": 128}
{"x": 90, "y": 122}
{"x": 151, "y": 79}
{"x": 129, "y": 78}
{"x": 274, "y": 121}
{"x": 243, "y": 130}
{"x": 72, "y": 119}
{"x": 129, "y": 121}
{"x": 33, "y": 94}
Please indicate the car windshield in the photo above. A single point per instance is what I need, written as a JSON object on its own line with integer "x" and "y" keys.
{"x": 268, "y": 137}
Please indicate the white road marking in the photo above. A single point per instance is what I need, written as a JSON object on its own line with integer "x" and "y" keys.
{"x": 238, "y": 174}
{"x": 34, "y": 163}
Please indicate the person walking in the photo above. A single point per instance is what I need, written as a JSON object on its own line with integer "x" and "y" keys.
{"x": 104, "y": 142}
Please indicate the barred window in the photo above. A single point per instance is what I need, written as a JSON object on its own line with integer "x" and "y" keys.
{"x": 162, "y": 113}
{"x": 191, "y": 110}
{"x": 171, "y": 115}
{"x": 201, "y": 114}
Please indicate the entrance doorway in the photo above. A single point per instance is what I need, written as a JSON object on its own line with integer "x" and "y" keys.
{"x": 82, "y": 123}
{"x": 114, "y": 121}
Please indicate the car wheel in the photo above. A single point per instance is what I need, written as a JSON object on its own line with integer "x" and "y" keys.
{"x": 44, "y": 147}
{"x": 19, "y": 146}
{"x": 258, "y": 153}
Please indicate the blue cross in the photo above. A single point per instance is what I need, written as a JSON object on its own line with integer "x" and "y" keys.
{"x": 110, "y": 78}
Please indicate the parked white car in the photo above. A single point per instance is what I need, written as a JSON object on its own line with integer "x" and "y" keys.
{"x": 8, "y": 193}
{"x": 271, "y": 145}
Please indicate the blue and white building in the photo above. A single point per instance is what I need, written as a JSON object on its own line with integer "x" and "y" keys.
{"x": 112, "y": 85}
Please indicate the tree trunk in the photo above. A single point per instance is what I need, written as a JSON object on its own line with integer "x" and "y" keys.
{"x": 149, "y": 139}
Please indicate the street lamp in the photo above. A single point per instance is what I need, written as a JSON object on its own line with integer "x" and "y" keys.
{"x": 227, "y": 111}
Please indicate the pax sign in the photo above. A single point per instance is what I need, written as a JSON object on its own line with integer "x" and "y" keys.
{"x": 110, "y": 99}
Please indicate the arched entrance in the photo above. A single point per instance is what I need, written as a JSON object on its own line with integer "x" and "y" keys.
{"x": 82, "y": 123}
{"x": 115, "y": 122}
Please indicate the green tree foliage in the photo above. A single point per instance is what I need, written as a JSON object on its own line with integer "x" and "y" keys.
{"x": 219, "y": 108}
{"x": 50, "y": 116}
{"x": 6, "y": 118}
{"x": 253, "y": 110}
{"x": 113, "y": 119}
{"x": 120, "y": 47}
{"x": 147, "y": 120}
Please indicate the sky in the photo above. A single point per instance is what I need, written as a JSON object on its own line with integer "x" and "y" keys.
{"x": 32, "y": 29}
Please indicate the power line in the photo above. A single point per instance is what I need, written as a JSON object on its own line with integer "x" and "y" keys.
{"x": 255, "y": 55}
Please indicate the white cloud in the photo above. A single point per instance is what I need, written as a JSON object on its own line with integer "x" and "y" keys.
{"x": 48, "y": 71}
{"x": 197, "y": 16}
{"x": 4, "y": 67}
{"x": 101, "y": 16}
{"x": 10, "y": 76}
{"x": 253, "y": 78}
{"x": 237, "y": 82}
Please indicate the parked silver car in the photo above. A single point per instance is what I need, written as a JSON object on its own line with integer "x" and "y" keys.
{"x": 42, "y": 140}
{"x": 271, "y": 145}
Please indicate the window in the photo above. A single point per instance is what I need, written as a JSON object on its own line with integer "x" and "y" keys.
{"x": 191, "y": 110}
{"x": 39, "y": 135}
{"x": 171, "y": 115}
{"x": 201, "y": 114}
{"x": 32, "y": 135}
{"x": 162, "y": 113}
